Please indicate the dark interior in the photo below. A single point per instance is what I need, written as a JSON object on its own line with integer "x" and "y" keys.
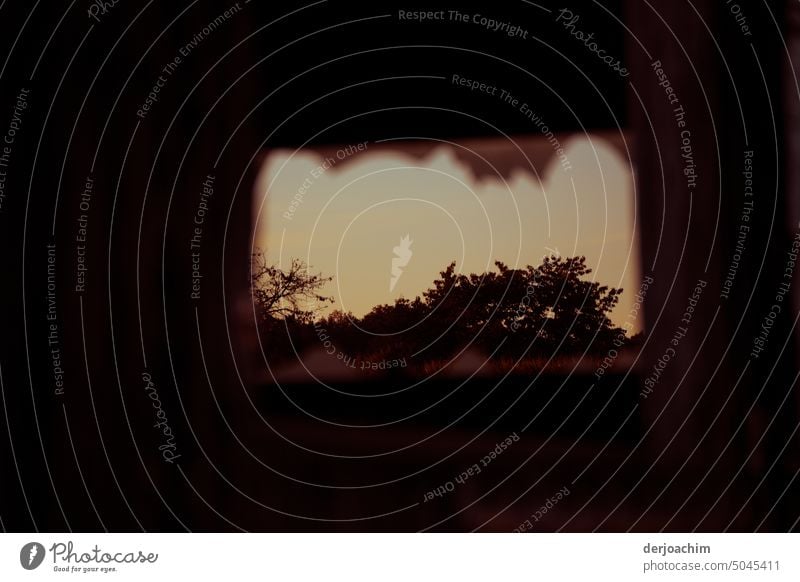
{"x": 713, "y": 448}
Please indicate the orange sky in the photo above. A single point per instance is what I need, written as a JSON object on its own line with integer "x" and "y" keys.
{"x": 473, "y": 202}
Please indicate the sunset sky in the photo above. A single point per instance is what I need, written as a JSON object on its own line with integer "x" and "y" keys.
{"x": 474, "y": 202}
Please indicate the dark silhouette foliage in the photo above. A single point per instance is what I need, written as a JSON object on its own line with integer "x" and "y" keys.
{"x": 553, "y": 309}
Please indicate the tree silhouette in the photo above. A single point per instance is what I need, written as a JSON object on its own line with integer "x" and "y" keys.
{"x": 286, "y": 294}
{"x": 549, "y": 308}
{"x": 552, "y": 309}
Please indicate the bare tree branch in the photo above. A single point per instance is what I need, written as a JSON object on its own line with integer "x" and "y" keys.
{"x": 280, "y": 294}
